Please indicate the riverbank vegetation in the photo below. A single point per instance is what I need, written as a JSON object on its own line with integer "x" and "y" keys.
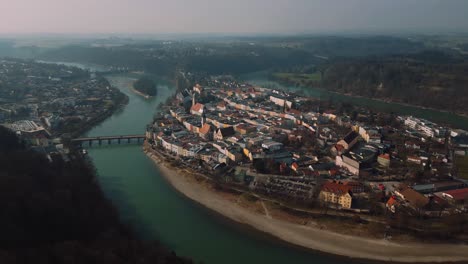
{"x": 53, "y": 211}
{"x": 145, "y": 86}
{"x": 429, "y": 79}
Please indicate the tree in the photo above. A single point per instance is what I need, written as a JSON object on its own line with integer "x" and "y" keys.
{"x": 146, "y": 86}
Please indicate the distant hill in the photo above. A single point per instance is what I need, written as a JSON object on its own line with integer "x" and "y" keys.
{"x": 430, "y": 79}
{"x": 146, "y": 86}
{"x": 233, "y": 55}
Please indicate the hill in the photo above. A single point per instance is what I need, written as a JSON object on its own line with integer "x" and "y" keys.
{"x": 429, "y": 79}
{"x": 55, "y": 212}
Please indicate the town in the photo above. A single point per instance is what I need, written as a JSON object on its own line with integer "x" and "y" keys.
{"x": 281, "y": 145}
{"x": 48, "y": 103}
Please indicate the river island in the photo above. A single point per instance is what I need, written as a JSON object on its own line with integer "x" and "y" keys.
{"x": 145, "y": 86}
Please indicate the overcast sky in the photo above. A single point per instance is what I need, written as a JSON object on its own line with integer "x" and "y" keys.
{"x": 233, "y": 16}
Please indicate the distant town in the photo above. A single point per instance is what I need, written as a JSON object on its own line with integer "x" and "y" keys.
{"x": 284, "y": 146}
{"x": 49, "y": 103}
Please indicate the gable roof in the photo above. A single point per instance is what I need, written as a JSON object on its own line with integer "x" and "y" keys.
{"x": 457, "y": 195}
{"x": 414, "y": 198}
{"x": 294, "y": 166}
{"x": 392, "y": 201}
{"x": 205, "y": 129}
{"x": 197, "y": 107}
{"x": 385, "y": 156}
{"x": 339, "y": 147}
{"x": 336, "y": 188}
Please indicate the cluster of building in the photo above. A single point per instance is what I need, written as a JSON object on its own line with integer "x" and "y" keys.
{"x": 41, "y": 102}
{"x": 55, "y": 96}
{"x": 280, "y": 150}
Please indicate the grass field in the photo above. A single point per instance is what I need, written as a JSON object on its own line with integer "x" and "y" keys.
{"x": 298, "y": 77}
{"x": 462, "y": 165}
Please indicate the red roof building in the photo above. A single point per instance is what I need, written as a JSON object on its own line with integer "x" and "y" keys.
{"x": 197, "y": 109}
{"x": 336, "y": 188}
{"x": 459, "y": 195}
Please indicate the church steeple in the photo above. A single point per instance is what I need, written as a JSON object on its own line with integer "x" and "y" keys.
{"x": 203, "y": 119}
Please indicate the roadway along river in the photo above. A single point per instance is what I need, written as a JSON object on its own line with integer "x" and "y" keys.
{"x": 157, "y": 211}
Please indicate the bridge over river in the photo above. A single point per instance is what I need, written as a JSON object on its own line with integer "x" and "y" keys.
{"x": 110, "y": 139}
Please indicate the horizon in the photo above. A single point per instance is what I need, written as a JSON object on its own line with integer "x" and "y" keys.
{"x": 257, "y": 17}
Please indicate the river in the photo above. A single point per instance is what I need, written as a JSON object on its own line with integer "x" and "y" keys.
{"x": 146, "y": 201}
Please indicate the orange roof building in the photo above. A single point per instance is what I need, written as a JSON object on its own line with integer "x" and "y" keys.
{"x": 336, "y": 194}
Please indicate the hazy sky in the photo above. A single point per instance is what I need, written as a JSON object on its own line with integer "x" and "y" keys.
{"x": 231, "y": 16}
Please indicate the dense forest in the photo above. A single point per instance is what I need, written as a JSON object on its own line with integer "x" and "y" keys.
{"x": 232, "y": 55}
{"x": 146, "y": 86}
{"x": 430, "y": 79}
{"x": 55, "y": 212}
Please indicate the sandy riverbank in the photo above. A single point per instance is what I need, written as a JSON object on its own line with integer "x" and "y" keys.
{"x": 138, "y": 92}
{"x": 131, "y": 88}
{"x": 308, "y": 236}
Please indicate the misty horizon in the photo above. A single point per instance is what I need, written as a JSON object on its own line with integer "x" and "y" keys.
{"x": 276, "y": 17}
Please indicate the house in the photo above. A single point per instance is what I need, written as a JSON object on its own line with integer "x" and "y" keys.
{"x": 392, "y": 204}
{"x": 294, "y": 166}
{"x": 336, "y": 193}
{"x": 337, "y": 150}
{"x": 384, "y": 160}
{"x": 205, "y": 131}
{"x": 197, "y": 109}
{"x": 411, "y": 196}
{"x": 349, "y": 140}
{"x": 222, "y": 133}
{"x": 348, "y": 162}
{"x": 456, "y": 197}
{"x": 272, "y": 145}
{"x": 198, "y": 88}
{"x": 245, "y": 128}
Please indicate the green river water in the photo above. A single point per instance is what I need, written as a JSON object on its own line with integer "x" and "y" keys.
{"x": 146, "y": 201}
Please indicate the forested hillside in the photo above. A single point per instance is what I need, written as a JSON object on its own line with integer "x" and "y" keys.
{"x": 232, "y": 55}
{"x": 429, "y": 79}
{"x": 55, "y": 212}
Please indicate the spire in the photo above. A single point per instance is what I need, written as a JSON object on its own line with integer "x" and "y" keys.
{"x": 203, "y": 119}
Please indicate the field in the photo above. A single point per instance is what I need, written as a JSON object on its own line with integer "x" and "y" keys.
{"x": 462, "y": 165}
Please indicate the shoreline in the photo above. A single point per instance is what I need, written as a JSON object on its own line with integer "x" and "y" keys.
{"x": 139, "y": 93}
{"x": 307, "y": 237}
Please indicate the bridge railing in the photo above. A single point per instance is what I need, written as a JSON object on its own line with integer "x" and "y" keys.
{"x": 109, "y": 139}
